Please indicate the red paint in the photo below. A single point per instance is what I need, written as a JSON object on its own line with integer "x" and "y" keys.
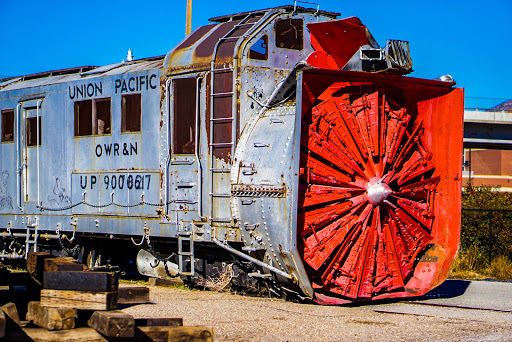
{"x": 359, "y": 129}
{"x": 336, "y": 41}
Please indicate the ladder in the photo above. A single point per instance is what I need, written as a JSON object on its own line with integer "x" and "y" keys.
{"x": 223, "y": 120}
{"x": 186, "y": 255}
{"x": 29, "y": 240}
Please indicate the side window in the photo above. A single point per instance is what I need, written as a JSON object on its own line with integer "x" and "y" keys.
{"x": 184, "y": 130}
{"x": 130, "y": 113}
{"x": 32, "y": 132}
{"x": 7, "y": 125}
{"x": 92, "y": 117}
{"x": 259, "y": 50}
{"x": 289, "y": 34}
{"x": 102, "y": 116}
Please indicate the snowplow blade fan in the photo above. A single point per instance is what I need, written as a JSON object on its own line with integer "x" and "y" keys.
{"x": 380, "y": 183}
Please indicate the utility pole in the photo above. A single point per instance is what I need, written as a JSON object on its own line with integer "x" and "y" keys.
{"x": 188, "y": 27}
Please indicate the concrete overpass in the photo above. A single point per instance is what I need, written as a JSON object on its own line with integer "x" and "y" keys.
{"x": 487, "y": 128}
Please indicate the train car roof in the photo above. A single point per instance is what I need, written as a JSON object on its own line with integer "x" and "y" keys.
{"x": 287, "y": 8}
{"x": 197, "y": 50}
{"x": 78, "y": 73}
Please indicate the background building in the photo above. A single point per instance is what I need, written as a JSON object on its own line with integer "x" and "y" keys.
{"x": 488, "y": 143}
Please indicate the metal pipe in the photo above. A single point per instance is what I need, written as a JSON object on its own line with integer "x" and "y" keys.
{"x": 198, "y": 160}
{"x": 44, "y": 236}
{"x": 18, "y": 143}
{"x": 38, "y": 146}
{"x": 490, "y": 237}
{"x": 167, "y": 161}
{"x": 306, "y": 2}
{"x": 12, "y": 255}
{"x": 253, "y": 260}
{"x": 188, "y": 27}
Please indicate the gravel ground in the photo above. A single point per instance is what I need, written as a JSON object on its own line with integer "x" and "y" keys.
{"x": 242, "y": 318}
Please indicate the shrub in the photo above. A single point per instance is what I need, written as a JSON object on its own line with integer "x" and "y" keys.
{"x": 500, "y": 268}
{"x": 472, "y": 261}
{"x": 469, "y": 264}
{"x": 476, "y": 218}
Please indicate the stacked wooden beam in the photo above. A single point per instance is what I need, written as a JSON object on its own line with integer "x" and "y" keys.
{"x": 67, "y": 286}
{"x": 70, "y": 292}
{"x": 84, "y": 290}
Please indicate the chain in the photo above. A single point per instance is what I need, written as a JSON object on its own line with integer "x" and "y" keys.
{"x": 71, "y": 252}
{"x": 14, "y": 241}
{"x": 99, "y": 206}
{"x": 159, "y": 257}
{"x": 60, "y": 209}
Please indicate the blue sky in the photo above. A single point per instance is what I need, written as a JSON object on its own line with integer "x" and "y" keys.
{"x": 471, "y": 40}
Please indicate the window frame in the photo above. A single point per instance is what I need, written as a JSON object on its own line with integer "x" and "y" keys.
{"x": 283, "y": 40}
{"x": 29, "y": 128}
{"x": 6, "y": 112}
{"x": 94, "y": 115}
{"x": 256, "y": 55}
{"x": 126, "y": 116}
{"x": 189, "y": 106}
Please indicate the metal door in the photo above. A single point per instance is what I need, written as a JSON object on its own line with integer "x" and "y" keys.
{"x": 28, "y": 145}
{"x": 184, "y": 164}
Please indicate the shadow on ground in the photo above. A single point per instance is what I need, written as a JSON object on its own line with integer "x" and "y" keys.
{"x": 448, "y": 289}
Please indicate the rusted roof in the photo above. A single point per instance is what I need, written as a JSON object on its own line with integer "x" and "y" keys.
{"x": 287, "y": 8}
{"x": 196, "y": 52}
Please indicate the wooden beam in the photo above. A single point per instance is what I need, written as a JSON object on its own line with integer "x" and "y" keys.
{"x": 168, "y": 334}
{"x": 51, "y": 318}
{"x": 10, "y": 310}
{"x": 74, "y": 335}
{"x": 112, "y": 323}
{"x": 35, "y": 264}
{"x": 159, "y": 322}
{"x": 133, "y": 295}
{"x": 2, "y": 324}
{"x": 63, "y": 264}
{"x": 81, "y": 300}
{"x": 82, "y": 281}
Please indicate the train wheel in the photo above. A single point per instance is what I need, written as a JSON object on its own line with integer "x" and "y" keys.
{"x": 366, "y": 198}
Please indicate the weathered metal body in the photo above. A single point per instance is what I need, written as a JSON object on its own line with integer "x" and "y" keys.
{"x": 282, "y": 137}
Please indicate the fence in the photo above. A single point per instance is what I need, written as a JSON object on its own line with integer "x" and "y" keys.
{"x": 489, "y": 230}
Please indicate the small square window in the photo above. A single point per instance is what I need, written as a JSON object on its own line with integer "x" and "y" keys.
{"x": 32, "y": 132}
{"x": 92, "y": 117}
{"x": 131, "y": 113}
{"x": 8, "y": 125}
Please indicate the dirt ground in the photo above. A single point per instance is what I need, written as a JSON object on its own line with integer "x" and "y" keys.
{"x": 237, "y": 317}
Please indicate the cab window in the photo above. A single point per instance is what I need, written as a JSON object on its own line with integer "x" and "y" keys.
{"x": 289, "y": 34}
{"x": 259, "y": 50}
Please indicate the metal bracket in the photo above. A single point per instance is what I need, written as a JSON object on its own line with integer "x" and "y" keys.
{"x": 184, "y": 254}
{"x": 249, "y": 227}
{"x": 251, "y": 259}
